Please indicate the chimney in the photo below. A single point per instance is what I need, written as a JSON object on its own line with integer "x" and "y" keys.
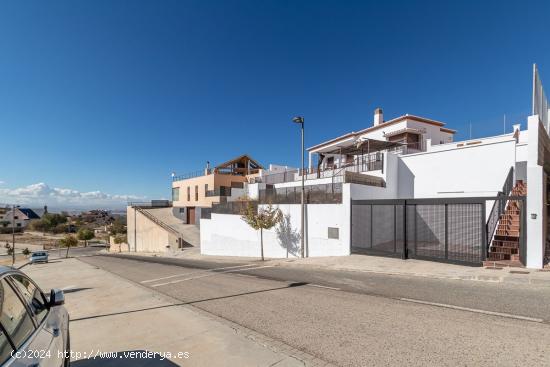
{"x": 378, "y": 117}
{"x": 207, "y": 169}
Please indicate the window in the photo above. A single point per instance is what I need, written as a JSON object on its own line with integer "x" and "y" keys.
{"x": 14, "y": 317}
{"x": 196, "y": 192}
{"x": 18, "y": 224}
{"x": 205, "y": 189}
{"x": 188, "y": 193}
{"x": 333, "y": 232}
{"x": 175, "y": 193}
{"x": 32, "y": 296}
{"x": 16, "y": 217}
{"x": 5, "y": 348}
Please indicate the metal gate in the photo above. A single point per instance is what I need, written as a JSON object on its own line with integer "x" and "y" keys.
{"x": 449, "y": 229}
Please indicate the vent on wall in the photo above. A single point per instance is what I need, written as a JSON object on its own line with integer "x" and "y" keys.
{"x": 333, "y": 233}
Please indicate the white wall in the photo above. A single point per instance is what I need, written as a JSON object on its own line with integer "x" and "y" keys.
{"x": 536, "y": 197}
{"x": 229, "y": 235}
{"x": 476, "y": 170}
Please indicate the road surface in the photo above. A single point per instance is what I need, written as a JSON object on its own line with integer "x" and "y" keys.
{"x": 360, "y": 319}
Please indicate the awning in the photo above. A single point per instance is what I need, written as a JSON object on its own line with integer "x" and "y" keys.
{"x": 364, "y": 146}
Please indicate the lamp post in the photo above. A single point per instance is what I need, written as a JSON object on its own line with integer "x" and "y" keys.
{"x": 13, "y": 235}
{"x": 300, "y": 120}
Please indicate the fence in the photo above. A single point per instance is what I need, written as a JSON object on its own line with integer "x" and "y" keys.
{"x": 540, "y": 102}
{"x": 151, "y": 204}
{"x": 448, "y": 230}
{"x": 313, "y": 194}
{"x": 230, "y": 207}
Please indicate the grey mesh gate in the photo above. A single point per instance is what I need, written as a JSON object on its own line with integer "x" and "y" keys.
{"x": 449, "y": 230}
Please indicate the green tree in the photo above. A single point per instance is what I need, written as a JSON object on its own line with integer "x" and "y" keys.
{"x": 120, "y": 239}
{"x": 264, "y": 218}
{"x": 26, "y": 251}
{"x": 68, "y": 241}
{"x": 49, "y": 222}
{"x": 85, "y": 234}
{"x": 118, "y": 227}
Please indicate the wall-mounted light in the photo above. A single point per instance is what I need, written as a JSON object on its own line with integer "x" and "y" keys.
{"x": 533, "y": 216}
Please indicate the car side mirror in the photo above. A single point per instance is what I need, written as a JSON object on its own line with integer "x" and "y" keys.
{"x": 57, "y": 297}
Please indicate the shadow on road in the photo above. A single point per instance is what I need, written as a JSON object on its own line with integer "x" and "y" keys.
{"x": 291, "y": 285}
{"x": 74, "y": 290}
{"x": 134, "y": 358}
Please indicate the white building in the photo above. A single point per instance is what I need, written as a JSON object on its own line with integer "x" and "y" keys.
{"x": 20, "y": 219}
{"x": 402, "y": 187}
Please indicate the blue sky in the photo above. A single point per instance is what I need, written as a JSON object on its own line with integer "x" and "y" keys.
{"x": 106, "y": 98}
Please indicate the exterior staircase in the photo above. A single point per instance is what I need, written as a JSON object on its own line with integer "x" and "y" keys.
{"x": 188, "y": 234}
{"x": 504, "y": 249}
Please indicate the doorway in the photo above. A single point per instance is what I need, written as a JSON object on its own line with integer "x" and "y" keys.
{"x": 191, "y": 215}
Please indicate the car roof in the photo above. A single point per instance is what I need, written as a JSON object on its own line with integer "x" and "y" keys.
{"x": 7, "y": 269}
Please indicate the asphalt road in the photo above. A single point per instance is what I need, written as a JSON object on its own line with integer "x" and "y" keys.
{"x": 362, "y": 318}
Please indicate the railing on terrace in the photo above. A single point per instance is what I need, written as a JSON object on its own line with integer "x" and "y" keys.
{"x": 372, "y": 162}
{"x": 314, "y": 194}
{"x": 230, "y": 207}
{"x": 219, "y": 191}
{"x": 151, "y": 204}
{"x": 190, "y": 175}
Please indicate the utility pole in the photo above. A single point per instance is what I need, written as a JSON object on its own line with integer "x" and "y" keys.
{"x": 300, "y": 120}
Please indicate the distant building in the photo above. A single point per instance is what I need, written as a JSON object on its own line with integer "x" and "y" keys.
{"x": 20, "y": 218}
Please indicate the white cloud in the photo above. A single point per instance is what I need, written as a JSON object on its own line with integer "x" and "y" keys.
{"x": 41, "y": 194}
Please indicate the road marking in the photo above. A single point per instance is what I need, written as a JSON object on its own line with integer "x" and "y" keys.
{"x": 323, "y": 286}
{"x": 193, "y": 272}
{"x": 492, "y": 313}
{"x": 211, "y": 274}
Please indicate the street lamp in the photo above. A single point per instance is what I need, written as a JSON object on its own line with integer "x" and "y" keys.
{"x": 300, "y": 120}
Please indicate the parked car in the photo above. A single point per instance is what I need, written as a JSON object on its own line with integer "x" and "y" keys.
{"x": 34, "y": 329}
{"x": 39, "y": 257}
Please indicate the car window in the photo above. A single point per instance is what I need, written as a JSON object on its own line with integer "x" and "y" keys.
{"x": 5, "y": 347}
{"x": 14, "y": 316}
{"x": 32, "y": 296}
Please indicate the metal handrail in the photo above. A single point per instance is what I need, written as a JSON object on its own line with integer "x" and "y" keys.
{"x": 189, "y": 175}
{"x": 156, "y": 220}
{"x": 499, "y": 207}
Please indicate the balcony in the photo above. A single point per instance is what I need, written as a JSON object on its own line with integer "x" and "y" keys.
{"x": 219, "y": 191}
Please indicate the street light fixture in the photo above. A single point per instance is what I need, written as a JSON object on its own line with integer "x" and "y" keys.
{"x": 300, "y": 120}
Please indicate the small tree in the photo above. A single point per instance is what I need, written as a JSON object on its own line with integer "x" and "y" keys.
{"x": 9, "y": 248}
{"x": 265, "y": 218}
{"x": 26, "y": 251}
{"x": 85, "y": 234}
{"x": 119, "y": 240}
{"x": 68, "y": 241}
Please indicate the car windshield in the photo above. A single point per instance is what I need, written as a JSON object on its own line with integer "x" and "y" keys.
{"x": 39, "y": 254}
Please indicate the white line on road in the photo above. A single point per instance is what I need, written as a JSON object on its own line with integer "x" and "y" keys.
{"x": 501, "y": 314}
{"x": 194, "y": 272}
{"x": 323, "y": 286}
{"x": 211, "y": 274}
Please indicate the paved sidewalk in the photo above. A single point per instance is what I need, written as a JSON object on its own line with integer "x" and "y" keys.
{"x": 110, "y": 314}
{"x": 380, "y": 265}
{"x": 419, "y": 268}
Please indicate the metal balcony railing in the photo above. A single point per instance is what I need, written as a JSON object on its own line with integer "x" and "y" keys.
{"x": 219, "y": 191}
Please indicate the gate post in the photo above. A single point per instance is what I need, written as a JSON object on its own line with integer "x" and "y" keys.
{"x": 446, "y": 231}
{"x": 404, "y": 256}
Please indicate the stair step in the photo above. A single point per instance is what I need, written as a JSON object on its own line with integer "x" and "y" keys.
{"x": 504, "y": 250}
{"x": 496, "y": 256}
{"x": 502, "y": 264}
{"x": 500, "y": 243}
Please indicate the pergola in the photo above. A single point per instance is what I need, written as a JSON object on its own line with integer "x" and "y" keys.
{"x": 240, "y": 166}
{"x": 359, "y": 148}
